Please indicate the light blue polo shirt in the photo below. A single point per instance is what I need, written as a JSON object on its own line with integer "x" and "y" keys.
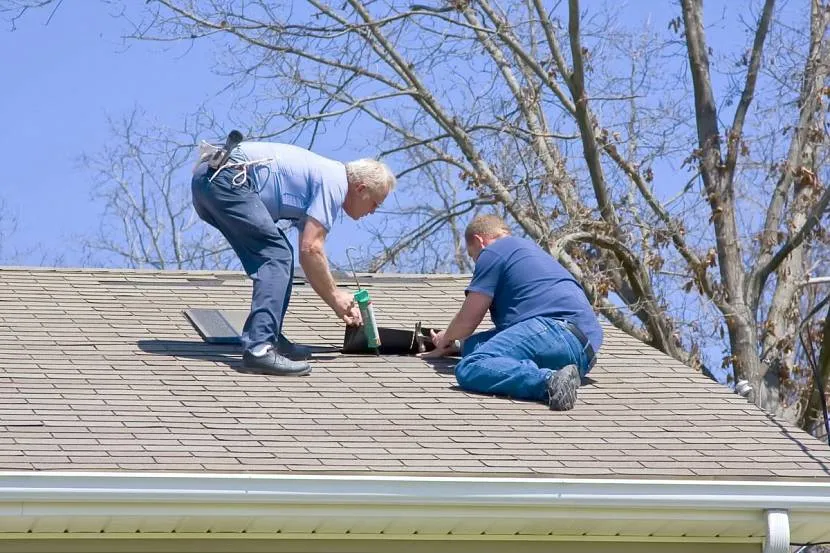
{"x": 295, "y": 183}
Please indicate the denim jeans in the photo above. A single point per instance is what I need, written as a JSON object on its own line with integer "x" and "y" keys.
{"x": 263, "y": 249}
{"x": 517, "y": 361}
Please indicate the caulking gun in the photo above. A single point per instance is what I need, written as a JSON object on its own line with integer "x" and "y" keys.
{"x": 367, "y": 311}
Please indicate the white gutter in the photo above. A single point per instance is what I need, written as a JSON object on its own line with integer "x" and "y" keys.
{"x": 41, "y": 495}
{"x": 403, "y": 490}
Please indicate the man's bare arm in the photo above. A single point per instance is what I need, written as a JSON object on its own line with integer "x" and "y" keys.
{"x": 316, "y": 266}
{"x": 466, "y": 320}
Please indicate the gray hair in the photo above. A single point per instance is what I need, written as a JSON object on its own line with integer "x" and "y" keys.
{"x": 373, "y": 174}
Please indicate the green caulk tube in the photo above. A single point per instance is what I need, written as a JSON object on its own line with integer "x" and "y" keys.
{"x": 370, "y": 327}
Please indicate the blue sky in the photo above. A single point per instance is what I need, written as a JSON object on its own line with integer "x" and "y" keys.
{"x": 63, "y": 83}
{"x": 66, "y": 78}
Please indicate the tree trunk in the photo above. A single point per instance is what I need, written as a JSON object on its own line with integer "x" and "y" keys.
{"x": 813, "y": 419}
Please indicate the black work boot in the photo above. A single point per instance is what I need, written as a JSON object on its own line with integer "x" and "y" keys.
{"x": 273, "y": 363}
{"x": 289, "y": 349}
{"x": 562, "y": 387}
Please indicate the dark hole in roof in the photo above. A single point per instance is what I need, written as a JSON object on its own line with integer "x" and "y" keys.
{"x": 393, "y": 341}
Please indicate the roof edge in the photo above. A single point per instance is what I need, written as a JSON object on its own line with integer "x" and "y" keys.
{"x": 123, "y": 503}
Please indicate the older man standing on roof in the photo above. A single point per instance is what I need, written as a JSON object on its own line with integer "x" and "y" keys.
{"x": 546, "y": 334}
{"x": 262, "y": 183}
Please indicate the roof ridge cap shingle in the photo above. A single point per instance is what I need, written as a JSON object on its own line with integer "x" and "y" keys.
{"x": 147, "y": 271}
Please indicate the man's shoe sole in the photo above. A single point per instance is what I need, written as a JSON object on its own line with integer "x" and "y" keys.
{"x": 562, "y": 388}
{"x": 270, "y": 364}
{"x": 271, "y": 372}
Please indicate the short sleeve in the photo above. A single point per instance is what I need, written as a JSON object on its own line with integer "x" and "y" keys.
{"x": 324, "y": 207}
{"x": 487, "y": 272}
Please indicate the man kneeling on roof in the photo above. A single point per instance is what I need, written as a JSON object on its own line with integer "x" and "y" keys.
{"x": 546, "y": 334}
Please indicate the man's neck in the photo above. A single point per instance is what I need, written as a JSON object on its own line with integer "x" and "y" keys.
{"x": 487, "y": 241}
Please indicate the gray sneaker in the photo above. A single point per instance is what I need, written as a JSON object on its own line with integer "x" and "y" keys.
{"x": 273, "y": 363}
{"x": 562, "y": 387}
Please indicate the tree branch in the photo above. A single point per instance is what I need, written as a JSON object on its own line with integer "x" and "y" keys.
{"x": 815, "y": 74}
{"x": 425, "y": 230}
{"x": 748, "y": 92}
{"x": 796, "y": 239}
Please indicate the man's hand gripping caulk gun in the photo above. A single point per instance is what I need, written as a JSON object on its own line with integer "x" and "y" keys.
{"x": 367, "y": 311}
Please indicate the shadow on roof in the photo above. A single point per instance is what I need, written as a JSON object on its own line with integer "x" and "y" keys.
{"x": 227, "y": 354}
{"x": 795, "y": 439}
{"x": 442, "y": 365}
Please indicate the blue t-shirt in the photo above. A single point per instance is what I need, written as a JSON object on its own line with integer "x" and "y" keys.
{"x": 525, "y": 282}
{"x": 295, "y": 183}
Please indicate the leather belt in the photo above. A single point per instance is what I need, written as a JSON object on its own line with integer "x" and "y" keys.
{"x": 586, "y": 344}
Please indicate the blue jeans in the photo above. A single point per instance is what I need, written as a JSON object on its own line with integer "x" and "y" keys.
{"x": 518, "y": 361}
{"x": 263, "y": 249}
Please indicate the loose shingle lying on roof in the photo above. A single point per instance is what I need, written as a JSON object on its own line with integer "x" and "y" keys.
{"x": 100, "y": 370}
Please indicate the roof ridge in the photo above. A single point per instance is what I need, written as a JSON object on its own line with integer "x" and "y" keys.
{"x": 202, "y": 272}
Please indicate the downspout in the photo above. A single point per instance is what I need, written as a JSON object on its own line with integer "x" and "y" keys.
{"x": 778, "y": 531}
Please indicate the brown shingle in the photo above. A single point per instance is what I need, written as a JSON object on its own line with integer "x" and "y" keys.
{"x": 100, "y": 370}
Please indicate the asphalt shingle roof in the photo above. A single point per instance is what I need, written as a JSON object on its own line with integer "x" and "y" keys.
{"x": 100, "y": 370}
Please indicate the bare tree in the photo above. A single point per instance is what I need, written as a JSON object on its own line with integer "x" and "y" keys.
{"x": 740, "y": 290}
{"x": 8, "y": 225}
{"x": 30, "y": 254}
{"x": 13, "y": 10}
{"x": 143, "y": 182}
{"x": 437, "y": 242}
